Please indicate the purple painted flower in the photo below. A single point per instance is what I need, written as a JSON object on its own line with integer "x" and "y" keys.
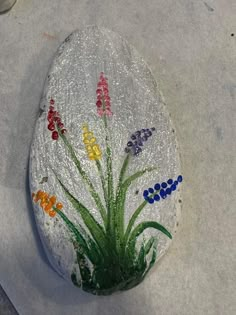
{"x": 137, "y": 140}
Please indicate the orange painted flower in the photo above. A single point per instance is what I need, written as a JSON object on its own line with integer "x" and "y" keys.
{"x": 59, "y": 206}
{"x": 47, "y": 202}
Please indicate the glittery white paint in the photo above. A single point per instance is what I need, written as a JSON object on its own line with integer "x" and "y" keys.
{"x": 136, "y": 104}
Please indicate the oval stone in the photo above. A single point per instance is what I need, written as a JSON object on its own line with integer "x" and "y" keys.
{"x": 103, "y": 144}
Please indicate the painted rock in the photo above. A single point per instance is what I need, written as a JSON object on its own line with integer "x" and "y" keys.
{"x": 104, "y": 165}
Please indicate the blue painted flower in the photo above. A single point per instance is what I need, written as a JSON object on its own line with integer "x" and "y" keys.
{"x": 164, "y": 185}
{"x": 145, "y": 193}
{"x": 180, "y": 179}
{"x": 151, "y": 200}
{"x": 163, "y": 193}
{"x": 157, "y": 197}
{"x": 162, "y": 190}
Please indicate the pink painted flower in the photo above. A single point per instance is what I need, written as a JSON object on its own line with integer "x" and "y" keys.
{"x": 100, "y": 112}
{"x": 54, "y": 121}
{"x": 103, "y": 99}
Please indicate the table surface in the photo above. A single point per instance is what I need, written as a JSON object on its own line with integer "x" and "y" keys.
{"x": 191, "y": 48}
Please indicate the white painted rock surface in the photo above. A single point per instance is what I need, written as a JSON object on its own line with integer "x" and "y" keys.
{"x": 103, "y": 252}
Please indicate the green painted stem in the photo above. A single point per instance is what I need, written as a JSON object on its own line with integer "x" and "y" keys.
{"x": 138, "y": 230}
{"x": 117, "y": 214}
{"x": 100, "y": 171}
{"x": 79, "y": 238}
{"x": 120, "y": 202}
{"x": 85, "y": 242}
{"x": 86, "y": 179}
{"x": 122, "y": 172}
{"x": 153, "y": 259}
{"x": 134, "y": 217}
{"x": 93, "y": 226}
{"x": 110, "y": 203}
{"x": 132, "y": 221}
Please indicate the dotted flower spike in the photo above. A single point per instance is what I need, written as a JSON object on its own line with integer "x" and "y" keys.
{"x": 137, "y": 140}
{"x": 54, "y": 121}
{"x": 162, "y": 190}
{"x": 93, "y": 149}
{"x": 103, "y": 99}
{"x": 47, "y": 202}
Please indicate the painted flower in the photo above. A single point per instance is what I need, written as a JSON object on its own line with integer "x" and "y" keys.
{"x": 161, "y": 191}
{"x": 103, "y": 99}
{"x": 47, "y": 202}
{"x": 54, "y": 121}
{"x": 92, "y": 148}
{"x": 137, "y": 140}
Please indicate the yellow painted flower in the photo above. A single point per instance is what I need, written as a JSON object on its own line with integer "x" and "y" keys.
{"x": 47, "y": 202}
{"x": 92, "y": 148}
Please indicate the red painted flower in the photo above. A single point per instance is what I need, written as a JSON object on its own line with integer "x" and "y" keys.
{"x": 54, "y": 121}
{"x": 103, "y": 99}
